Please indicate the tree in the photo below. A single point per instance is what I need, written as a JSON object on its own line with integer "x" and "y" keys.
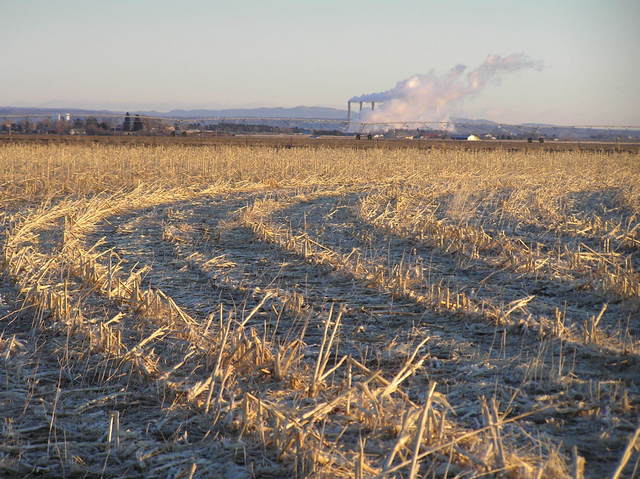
{"x": 25, "y": 125}
{"x": 43, "y": 125}
{"x": 126, "y": 126}
{"x": 91, "y": 124}
{"x": 137, "y": 123}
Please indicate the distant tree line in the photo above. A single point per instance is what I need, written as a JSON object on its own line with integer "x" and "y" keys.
{"x": 79, "y": 126}
{"x": 246, "y": 128}
{"x": 84, "y": 126}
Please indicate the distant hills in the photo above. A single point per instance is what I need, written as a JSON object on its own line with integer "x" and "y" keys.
{"x": 22, "y": 111}
{"x": 308, "y": 112}
{"x": 317, "y": 112}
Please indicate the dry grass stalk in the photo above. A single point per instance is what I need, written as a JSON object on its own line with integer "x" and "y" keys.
{"x": 246, "y": 382}
{"x": 626, "y": 455}
{"x": 404, "y": 279}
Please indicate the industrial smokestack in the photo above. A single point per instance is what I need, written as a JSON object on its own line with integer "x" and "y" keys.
{"x": 432, "y": 97}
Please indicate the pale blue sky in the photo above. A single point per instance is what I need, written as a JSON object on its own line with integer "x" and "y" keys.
{"x": 211, "y": 54}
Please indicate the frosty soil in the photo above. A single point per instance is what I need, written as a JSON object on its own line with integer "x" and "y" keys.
{"x": 324, "y": 323}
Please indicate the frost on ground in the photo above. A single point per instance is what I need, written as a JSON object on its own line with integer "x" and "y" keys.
{"x": 250, "y": 312}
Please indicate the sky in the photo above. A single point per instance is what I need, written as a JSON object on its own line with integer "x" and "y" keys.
{"x": 156, "y": 54}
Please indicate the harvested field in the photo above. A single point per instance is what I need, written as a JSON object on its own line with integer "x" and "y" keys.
{"x": 253, "y": 312}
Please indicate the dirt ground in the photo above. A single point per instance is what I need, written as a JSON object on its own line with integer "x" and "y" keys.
{"x": 259, "y": 331}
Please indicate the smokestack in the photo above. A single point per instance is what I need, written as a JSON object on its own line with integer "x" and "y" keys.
{"x": 433, "y": 97}
{"x": 349, "y": 112}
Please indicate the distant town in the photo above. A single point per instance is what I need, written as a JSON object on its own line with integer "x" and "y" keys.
{"x": 310, "y": 121}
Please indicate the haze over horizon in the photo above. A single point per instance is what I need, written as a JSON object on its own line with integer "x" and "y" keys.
{"x": 156, "y": 55}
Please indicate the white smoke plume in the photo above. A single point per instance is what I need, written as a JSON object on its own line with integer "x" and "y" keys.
{"x": 433, "y": 97}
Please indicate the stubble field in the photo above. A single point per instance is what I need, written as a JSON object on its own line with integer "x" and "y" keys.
{"x": 255, "y": 312}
